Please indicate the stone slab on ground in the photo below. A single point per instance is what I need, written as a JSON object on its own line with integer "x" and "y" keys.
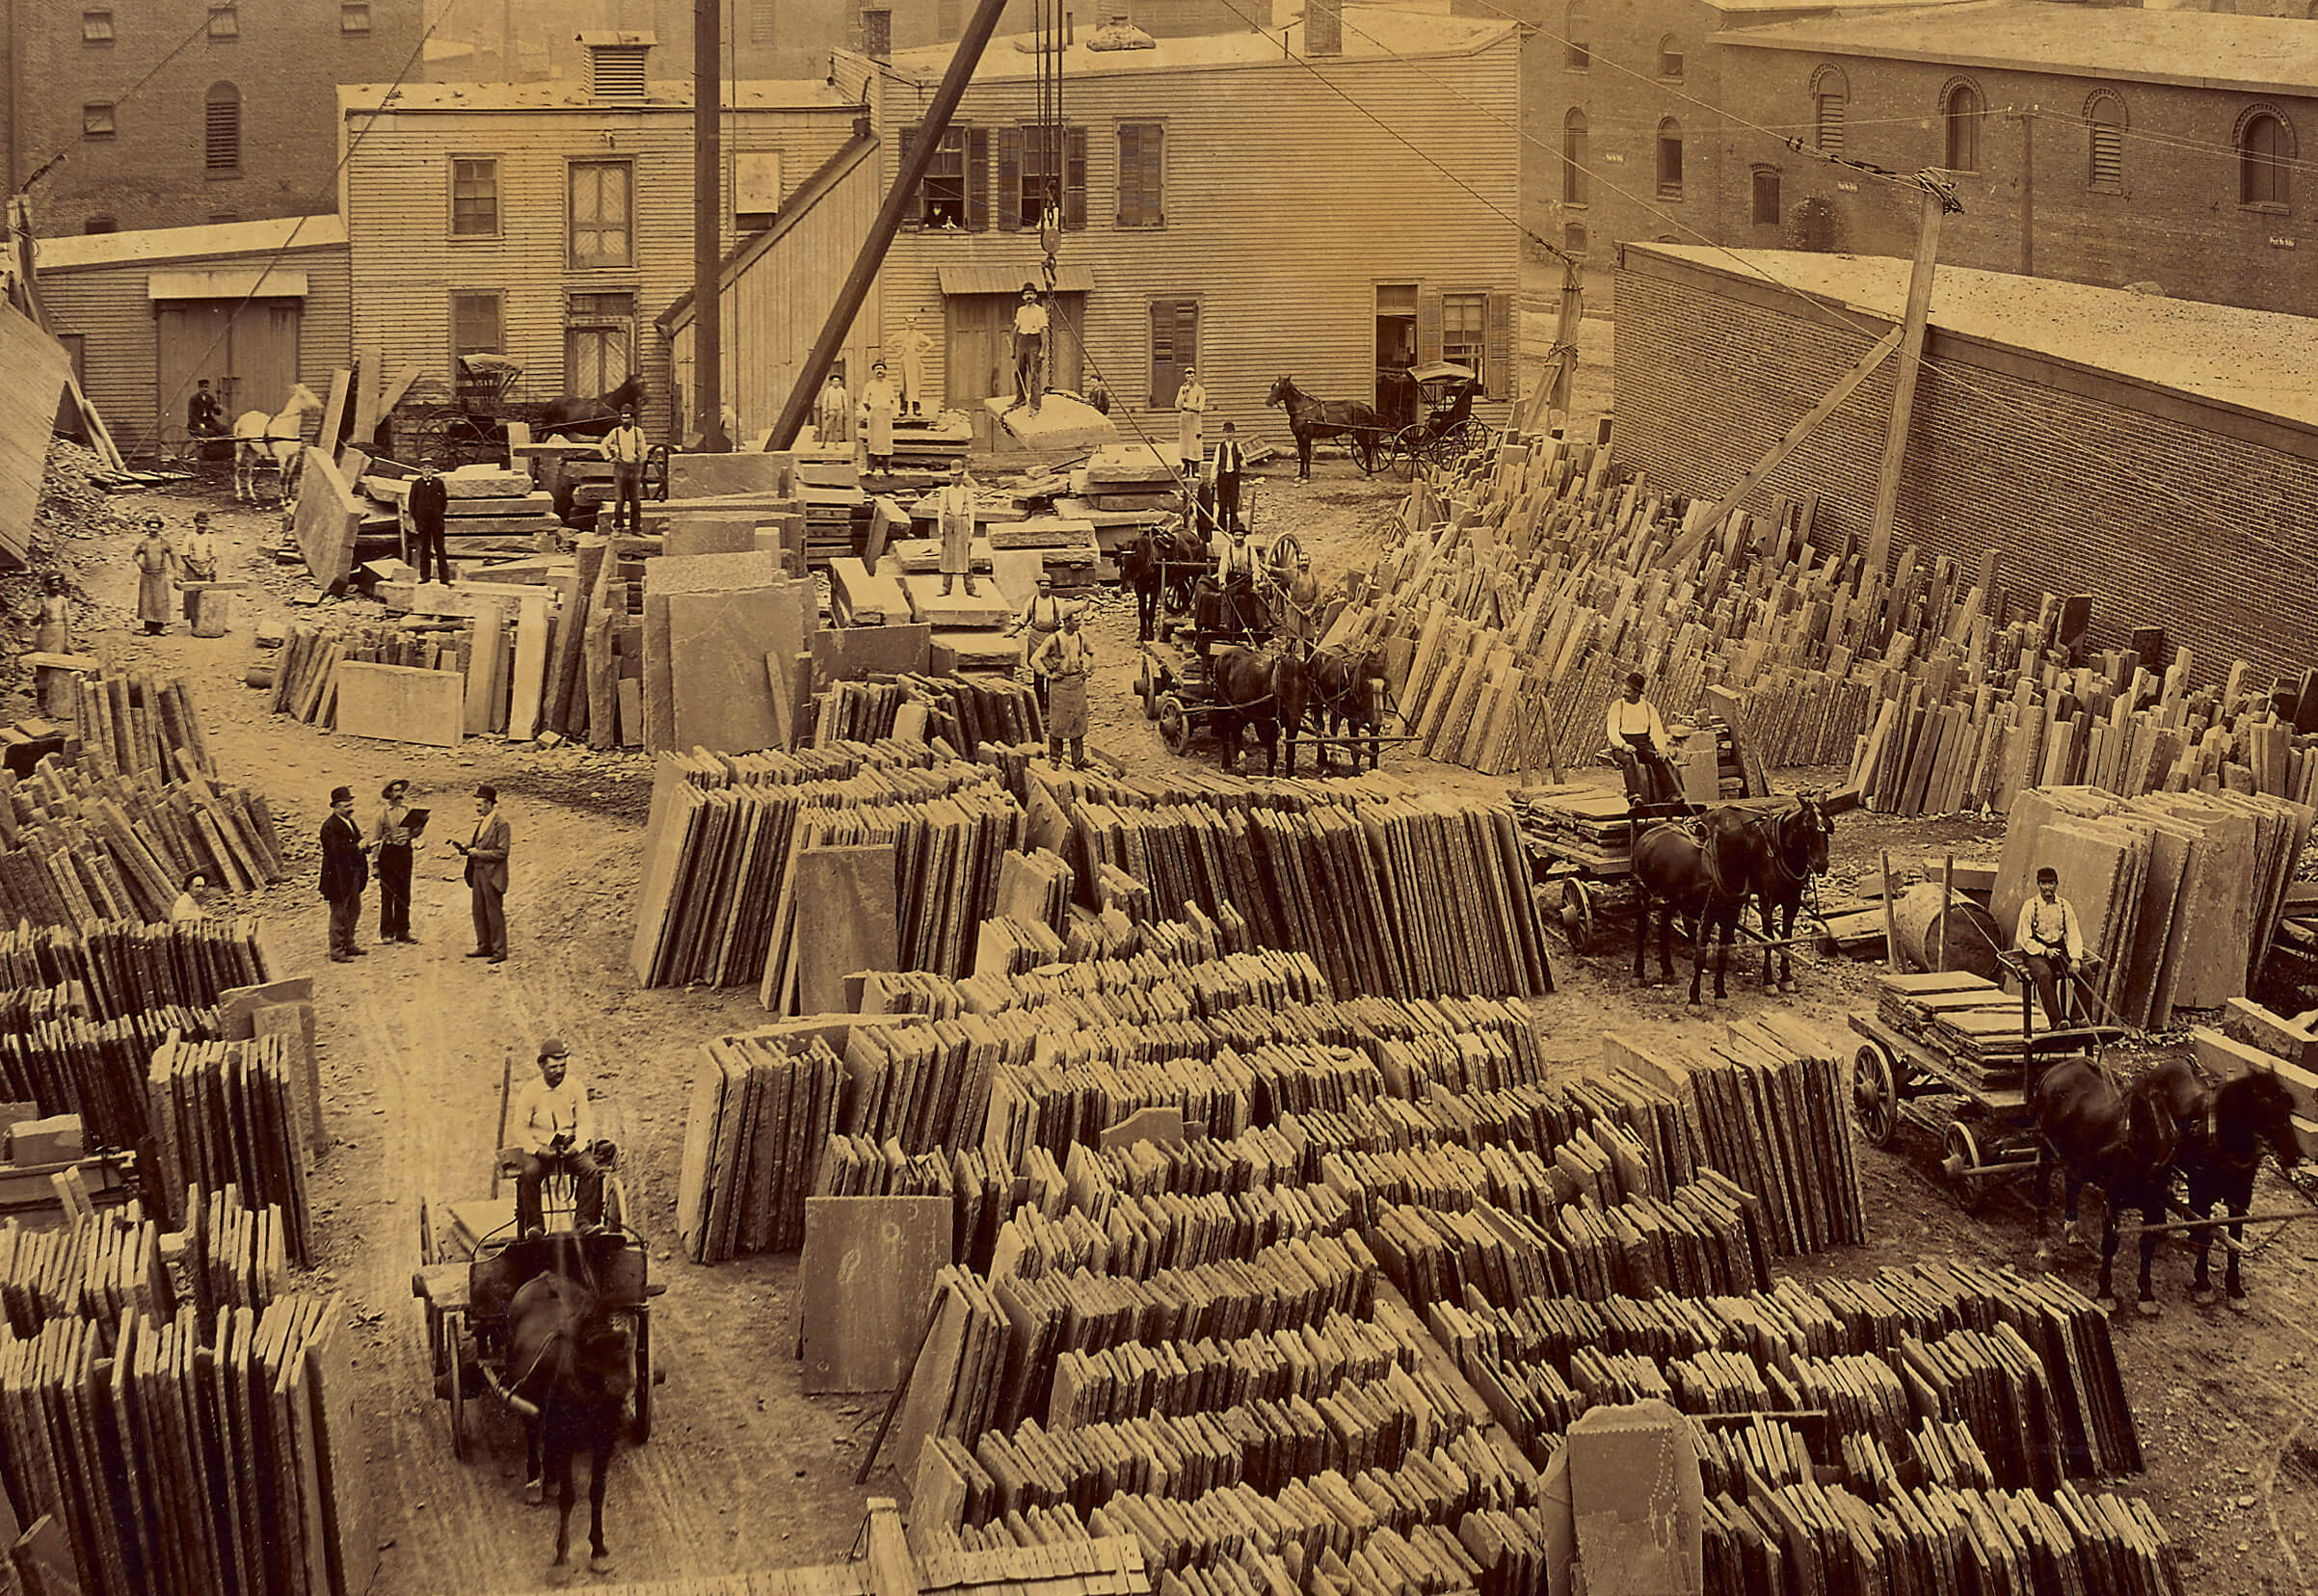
{"x": 704, "y": 534}
{"x": 849, "y": 653}
{"x": 847, "y": 919}
{"x": 400, "y": 704}
{"x": 697, "y": 476}
{"x": 957, "y": 609}
{"x": 326, "y": 520}
{"x": 920, "y": 555}
{"x": 1061, "y": 422}
{"x": 877, "y": 1256}
{"x": 721, "y": 697}
{"x": 978, "y": 650}
{"x": 857, "y": 595}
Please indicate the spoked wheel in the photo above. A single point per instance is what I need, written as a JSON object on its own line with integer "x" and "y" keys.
{"x": 1369, "y": 449}
{"x": 1146, "y": 688}
{"x": 1285, "y": 550}
{"x": 454, "y": 1335}
{"x": 1412, "y": 450}
{"x": 1960, "y": 1157}
{"x": 641, "y": 1431}
{"x": 1876, "y": 1094}
{"x": 1577, "y": 915}
{"x": 654, "y": 486}
{"x": 1174, "y": 724}
{"x": 1466, "y": 438}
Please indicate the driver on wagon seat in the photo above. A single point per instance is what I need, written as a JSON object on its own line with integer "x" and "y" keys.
{"x": 554, "y": 1130}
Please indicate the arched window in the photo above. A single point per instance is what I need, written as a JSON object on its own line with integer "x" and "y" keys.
{"x": 2105, "y": 129}
{"x": 222, "y": 130}
{"x": 1576, "y": 32}
{"x": 1669, "y": 58}
{"x": 2265, "y": 149}
{"x": 1960, "y": 108}
{"x": 1830, "y": 97}
{"x": 1670, "y": 159}
{"x": 1767, "y": 210}
{"x": 1573, "y": 237}
{"x": 1574, "y": 185}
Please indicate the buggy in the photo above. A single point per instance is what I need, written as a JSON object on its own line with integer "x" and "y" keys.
{"x": 1444, "y": 431}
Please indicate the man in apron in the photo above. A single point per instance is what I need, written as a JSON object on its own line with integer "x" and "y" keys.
{"x": 1190, "y": 421}
{"x": 1068, "y": 659}
{"x": 1300, "y": 618}
{"x": 156, "y": 572}
{"x": 954, "y": 511}
{"x": 833, "y": 411}
{"x": 881, "y": 402}
{"x": 1042, "y": 619}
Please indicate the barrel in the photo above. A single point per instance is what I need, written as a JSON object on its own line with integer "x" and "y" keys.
{"x": 1964, "y": 937}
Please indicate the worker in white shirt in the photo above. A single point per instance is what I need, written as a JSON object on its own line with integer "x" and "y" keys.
{"x": 1190, "y": 420}
{"x": 1638, "y": 742}
{"x": 554, "y": 1131}
{"x": 626, "y": 448}
{"x": 2053, "y": 941}
{"x": 1031, "y": 324}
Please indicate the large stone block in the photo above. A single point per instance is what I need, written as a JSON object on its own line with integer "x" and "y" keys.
{"x": 707, "y": 475}
{"x": 849, "y": 653}
{"x": 721, "y": 697}
{"x": 400, "y": 704}
{"x": 957, "y": 609}
{"x": 326, "y": 520}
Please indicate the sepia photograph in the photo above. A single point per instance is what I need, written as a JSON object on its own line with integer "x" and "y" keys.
{"x": 1159, "y": 798}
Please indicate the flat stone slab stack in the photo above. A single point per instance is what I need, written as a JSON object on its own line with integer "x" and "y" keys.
{"x": 484, "y": 509}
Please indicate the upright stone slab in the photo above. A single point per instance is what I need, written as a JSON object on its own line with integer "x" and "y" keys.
{"x": 872, "y": 1261}
{"x": 400, "y": 704}
{"x": 530, "y": 669}
{"x": 1637, "y": 1501}
{"x": 325, "y": 519}
{"x": 847, "y": 919}
{"x": 720, "y": 694}
{"x": 849, "y": 653}
{"x": 483, "y": 685}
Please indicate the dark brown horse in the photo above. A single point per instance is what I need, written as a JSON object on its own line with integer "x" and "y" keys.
{"x": 570, "y": 411}
{"x": 570, "y": 1360}
{"x": 1265, "y": 693}
{"x": 1692, "y": 869}
{"x": 1346, "y": 701}
{"x": 2121, "y": 1139}
{"x": 1143, "y": 566}
{"x": 1776, "y": 852}
{"x": 2225, "y": 1130}
{"x": 1310, "y": 417}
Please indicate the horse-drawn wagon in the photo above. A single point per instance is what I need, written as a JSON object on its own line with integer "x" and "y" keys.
{"x": 467, "y": 424}
{"x": 1445, "y": 429}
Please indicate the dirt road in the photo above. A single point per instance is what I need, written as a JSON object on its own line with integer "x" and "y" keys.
{"x": 744, "y": 1472}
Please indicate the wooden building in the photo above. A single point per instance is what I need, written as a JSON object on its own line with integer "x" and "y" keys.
{"x": 254, "y": 307}
{"x": 560, "y": 219}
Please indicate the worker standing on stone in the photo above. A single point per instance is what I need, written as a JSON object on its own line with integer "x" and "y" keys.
{"x": 52, "y": 633}
{"x": 429, "y": 503}
{"x": 913, "y": 346}
{"x": 626, "y": 448}
{"x": 880, "y": 404}
{"x": 156, "y": 578}
{"x": 954, "y": 511}
{"x": 1068, "y": 659}
{"x": 833, "y": 411}
{"x": 1638, "y": 742}
{"x": 2052, "y": 940}
{"x": 1031, "y": 349}
{"x": 345, "y": 871}
{"x": 1190, "y": 420}
{"x": 1041, "y": 618}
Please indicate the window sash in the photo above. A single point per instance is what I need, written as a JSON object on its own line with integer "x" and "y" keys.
{"x": 473, "y": 316}
{"x": 99, "y": 121}
{"x": 475, "y": 198}
{"x": 877, "y": 33}
{"x": 224, "y": 22}
{"x": 97, "y": 27}
{"x": 1669, "y": 163}
{"x": 1142, "y": 174}
{"x": 603, "y": 215}
{"x": 944, "y": 181}
{"x": 353, "y": 17}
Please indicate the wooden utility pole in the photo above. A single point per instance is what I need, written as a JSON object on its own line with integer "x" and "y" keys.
{"x": 1903, "y": 398}
{"x": 707, "y": 217}
{"x": 1869, "y": 364}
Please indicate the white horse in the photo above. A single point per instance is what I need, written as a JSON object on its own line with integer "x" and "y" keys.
{"x": 278, "y": 440}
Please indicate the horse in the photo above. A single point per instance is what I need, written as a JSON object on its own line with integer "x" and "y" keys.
{"x": 1343, "y": 705}
{"x": 570, "y": 410}
{"x": 1776, "y": 853}
{"x": 2223, "y": 1133}
{"x": 1694, "y": 870}
{"x": 1143, "y": 566}
{"x": 572, "y": 1362}
{"x": 277, "y": 439}
{"x": 1249, "y": 689}
{"x": 2122, "y": 1140}
{"x": 1310, "y": 417}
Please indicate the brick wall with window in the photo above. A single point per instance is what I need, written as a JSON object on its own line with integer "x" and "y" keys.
{"x": 1712, "y": 368}
{"x": 171, "y": 154}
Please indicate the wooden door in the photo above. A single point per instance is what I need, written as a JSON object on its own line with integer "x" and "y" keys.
{"x": 265, "y": 355}
{"x": 190, "y": 344}
{"x": 981, "y": 354}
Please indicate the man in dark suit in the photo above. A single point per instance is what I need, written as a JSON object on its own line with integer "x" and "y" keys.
{"x": 1229, "y": 461}
{"x": 487, "y": 874}
{"x": 430, "y": 501}
{"x": 344, "y": 872}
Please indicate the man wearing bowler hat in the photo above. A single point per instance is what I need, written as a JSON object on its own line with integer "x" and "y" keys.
{"x": 345, "y": 871}
{"x": 554, "y": 1131}
{"x": 487, "y": 874}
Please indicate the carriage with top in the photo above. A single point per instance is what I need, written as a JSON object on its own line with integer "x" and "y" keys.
{"x": 1445, "y": 429}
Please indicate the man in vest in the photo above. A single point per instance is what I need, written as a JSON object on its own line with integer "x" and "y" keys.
{"x": 1300, "y": 618}
{"x": 1240, "y": 573}
{"x": 1638, "y": 741}
{"x": 1068, "y": 659}
{"x": 1042, "y": 617}
{"x": 2053, "y": 938}
{"x": 626, "y": 448}
{"x": 555, "y": 1128}
{"x": 429, "y": 502}
{"x": 1031, "y": 349}
{"x": 953, "y": 521}
{"x": 1224, "y": 471}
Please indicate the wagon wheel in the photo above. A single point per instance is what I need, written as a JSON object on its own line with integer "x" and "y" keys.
{"x": 1147, "y": 689}
{"x": 656, "y": 473}
{"x": 1283, "y": 557}
{"x": 1960, "y": 1156}
{"x": 1174, "y": 725}
{"x": 454, "y": 1335}
{"x": 1466, "y": 437}
{"x": 1577, "y": 915}
{"x": 1412, "y": 444}
{"x": 641, "y": 1431}
{"x": 1395, "y": 459}
{"x": 615, "y": 1203}
{"x": 1875, "y": 1078}
{"x": 1370, "y": 447}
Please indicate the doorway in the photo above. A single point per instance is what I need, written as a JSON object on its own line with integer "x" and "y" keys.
{"x": 979, "y": 361}
{"x": 1396, "y": 349}
{"x": 247, "y": 349}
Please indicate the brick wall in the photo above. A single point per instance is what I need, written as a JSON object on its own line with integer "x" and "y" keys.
{"x": 2170, "y": 512}
{"x": 2175, "y": 219}
{"x": 287, "y": 62}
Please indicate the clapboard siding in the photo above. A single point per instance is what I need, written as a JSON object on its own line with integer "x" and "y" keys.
{"x": 109, "y": 307}
{"x": 1285, "y": 208}
{"x": 405, "y": 264}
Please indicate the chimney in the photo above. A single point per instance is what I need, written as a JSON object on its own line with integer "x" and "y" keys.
{"x": 616, "y": 66}
{"x": 1323, "y": 27}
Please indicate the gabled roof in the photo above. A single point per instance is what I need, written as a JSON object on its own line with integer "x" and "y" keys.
{"x": 2252, "y": 54}
{"x": 824, "y": 181}
{"x": 159, "y": 244}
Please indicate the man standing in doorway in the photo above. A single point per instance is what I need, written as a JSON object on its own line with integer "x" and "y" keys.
{"x": 626, "y": 448}
{"x": 430, "y": 501}
{"x": 1031, "y": 349}
{"x": 1225, "y": 471}
{"x": 487, "y": 874}
{"x": 345, "y": 871}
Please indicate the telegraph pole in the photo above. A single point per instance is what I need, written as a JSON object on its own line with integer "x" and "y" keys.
{"x": 708, "y": 215}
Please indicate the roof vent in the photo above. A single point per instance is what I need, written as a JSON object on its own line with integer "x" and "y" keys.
{"x": 1117, "y": 32}
{"x": 1323, "y": 27}
{"x": 616, "y": 66}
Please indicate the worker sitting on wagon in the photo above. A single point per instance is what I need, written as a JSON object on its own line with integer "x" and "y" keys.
{"x": 555, "y": 1131}
{"x": 2051, "y": 941}
{"x": 1638, "y": 741}
{"x": 1237, "y": 573}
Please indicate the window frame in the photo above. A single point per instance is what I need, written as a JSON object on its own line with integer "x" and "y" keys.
{"x": 1575, "y": 239}
{"x": 1967, "y": 123}
{"x": 1577, "y": 47}
{"x": 2094, "y": 103}
{"x": 1152, "y": 214}
{"x": 211, "y": 102}
{"x": 572, "y": 260}
{"x": 2279, "y": 164}
{"x": 1670, "y": 190}
{"x": 1830, "y": 86}
{"x": 1755, "y": 199}
{"x": 1577, "y": 184}
{"x": 100, "y": 119}
{"x": 927, "y": 218}
{"x": 498, "y": 303}
{"x": 90, "y": 16}
{"x": 1478, "y": 361}
{"x": 871, "y": 46}
{"x": 498, "y": 220}
{"x": 1151, "y": 304}
{"x": 229, "y": 11}
{"x": 348, "y": 11}
{"x": 1669, "y": 49}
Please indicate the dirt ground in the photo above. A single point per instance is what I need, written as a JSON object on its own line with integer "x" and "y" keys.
{"x": 743, "y": 1472}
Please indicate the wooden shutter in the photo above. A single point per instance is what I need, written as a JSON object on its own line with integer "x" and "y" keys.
{"x": 977, "y": 179}
{"x": 1497, "y": 345}
{"x": 914, "y": 214}
{"x": 1187, "y": 335}
{"x": 1073, "y": 177}
{"x": 1009, "y": 178}
{"x": 1131, "y": 178}
{"x": 1154, "y": 176}
{"x": 1165, "y": 375}
{"x": 1429, "y": 326}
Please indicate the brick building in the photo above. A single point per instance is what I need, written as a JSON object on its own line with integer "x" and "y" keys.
{"x": 2098, "y": 145}
{"x": 182, "y": 112}
{"x": 2154, "y": 453}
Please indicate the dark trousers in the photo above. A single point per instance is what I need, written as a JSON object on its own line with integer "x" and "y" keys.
{"x": 2052, "y": 975}
{"x": 627, "y": 503}
{"x": 344, "y": 915}
{"x": 1029, "y": 368}
{"x": 586, "y": 1189}
{"x": 426, "y": 539}
{"x": 1649, "y": 776}
{"x": 490, "y": 918}
{"x": 1227, "y": 500}
{"x": 393, "y": 891}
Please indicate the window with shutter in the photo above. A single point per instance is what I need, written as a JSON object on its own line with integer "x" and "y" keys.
{"x": 1014, "y": 182}
{"x": 1497, "y": 347}
{"x": 221, "y": 131}
{"x": 913, "y": 215}
{"x": 1141, "y": 174}
{"x": 1428, "y": 327}
{"x": 2105, "y": 121}
{"x": 1174, "y": 347}
{"x": 1462, "y": 331}
{"x": 942, "y": 192}
{"x": 1830, "y": 97}
{"x": 1073, "y": 177}
{"x": 602, "y": 232}
{"x": 977, "y": 179}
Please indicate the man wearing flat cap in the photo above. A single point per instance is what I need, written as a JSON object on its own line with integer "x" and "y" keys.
{"x": 554, "y": 1130}
{"x": 345, "y": 871}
